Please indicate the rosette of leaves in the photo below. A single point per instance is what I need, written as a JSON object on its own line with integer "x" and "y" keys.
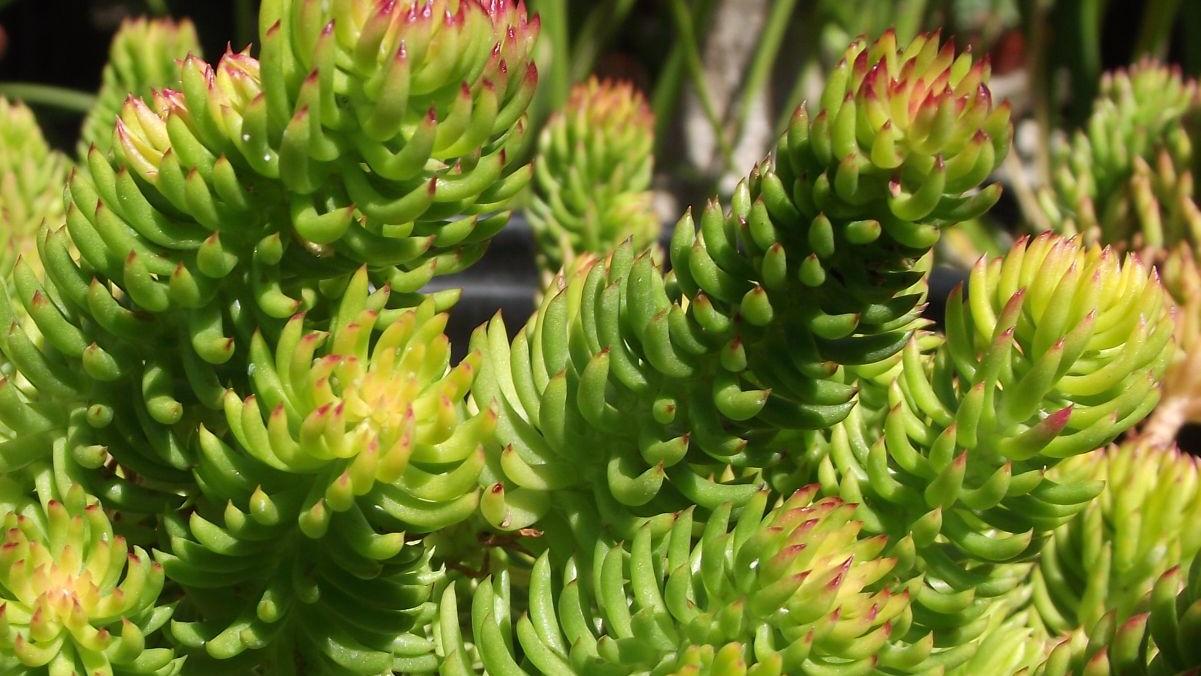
{"x": 1106, "y": 560}
{"x": 793, "y": 589}
{"x": 75, "y": 597}
{"x": 1162, "y": 639}
{"x": 368, "y": 135}
{"x": 1125, "y": 177}
{"x": 592, "y": 175}
{"x": 1055, "y": 350}
{"x": 31, "y": 180}
{"x": 686, "y": 380}
{"x": 353, "y": 437}
{"x": 143, "y": 56}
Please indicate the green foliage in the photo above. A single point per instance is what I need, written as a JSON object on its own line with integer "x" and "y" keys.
{"x": 748, "y": 454}
{"x": 31, "y": 178}
{"x": 679, "y": 376}
{"x": 74, "y": 596}
{"x": 592, "y": 175}
{"x": 143, "y": 57}
{"x": 1125, "y": 176}
{"x": 1107, "y": 558}
{"x": 1160, "y": 640}
{"x": 795, "y": 590}
{"x": 227, "y": 341}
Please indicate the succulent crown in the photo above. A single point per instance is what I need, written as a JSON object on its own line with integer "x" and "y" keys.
{"x": 73, "y": 595}
{"x": 592, "y": 174}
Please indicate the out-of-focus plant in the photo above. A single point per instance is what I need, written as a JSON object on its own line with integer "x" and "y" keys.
{"x": 31, "y": 179}
{"x": 1125, "y": 177}
{"x": 592, "y": 176}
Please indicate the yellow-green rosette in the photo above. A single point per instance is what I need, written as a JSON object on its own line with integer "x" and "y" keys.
{"x": 592, "y": 175}
{"x": 74, "y": 596}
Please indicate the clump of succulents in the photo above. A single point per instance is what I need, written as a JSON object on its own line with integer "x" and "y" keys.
{"x": 749, "y": 454}
{"x": 1105, "y": 561}
{"x": 1125, "y": 178}
{"x": 75, "y": 597}
{"x": 592, "y": 175}
{"x": 226, "y": 339}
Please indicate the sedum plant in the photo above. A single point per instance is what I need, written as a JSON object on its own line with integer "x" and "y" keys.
{"x": 142, "y": 58}
{"x": 592, "y": 175}
{"x": 1105, "y": 561}
{"x": 1055, "y": 350}
{"x": 1126, "y": 176}
{"x": 749, "y": 454}
{"x": 1160, "y": 640}
{"x": 31, "y": 178}
{"x": 75, "y": 597}
{"x": 227, "y": 346}
{"x": 678, "y": 376}
{"x": 792, "y": 590}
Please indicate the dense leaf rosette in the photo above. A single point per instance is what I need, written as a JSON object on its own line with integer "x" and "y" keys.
{"x": 75, "y": 597}
{"x": 592, "y": 175}
{"x": 144, "y": 56}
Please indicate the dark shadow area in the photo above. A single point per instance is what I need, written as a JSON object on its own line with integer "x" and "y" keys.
{"x": 1189, "y": 439}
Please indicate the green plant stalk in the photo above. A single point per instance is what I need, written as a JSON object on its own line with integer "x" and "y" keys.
{"x": 1156, "y": 27}
{"x": 766, "y": 51}
{"x": 598, "y": 27}
{"x": 690, "y": 48}
{"x": 49, "y": 95}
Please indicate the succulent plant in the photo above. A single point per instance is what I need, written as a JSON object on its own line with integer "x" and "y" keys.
{"x": 794, "y": 590}
{"x": 354, "y": 438}
{"x": 747, "y": 454}
{"x": 1160, "y": 640}
{"x": 1106, "y": 560}
{"x": 143, "y": 57}
{"x": 1125, "y": 178}
{"x": 1055, "y": 350}
{"x": 230, "y": 320}
{"x": 592, "y": 175}
{"x": 74, "y": 596}
{"x": 31, "y": 179}
{"x": 686, "y": 379}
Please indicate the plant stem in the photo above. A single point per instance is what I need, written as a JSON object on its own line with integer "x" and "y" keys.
{"x": 599, "y": 26}
{"x": 49, "y": 95}
{"x": 1027, "y": 200}
{"x": 766, "y": 52}
{"x": 245, "y": 21}
{"x": 686, "y": 34}
{"x": 1035, "y": 18}
{"x": 1157, "y": 26}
